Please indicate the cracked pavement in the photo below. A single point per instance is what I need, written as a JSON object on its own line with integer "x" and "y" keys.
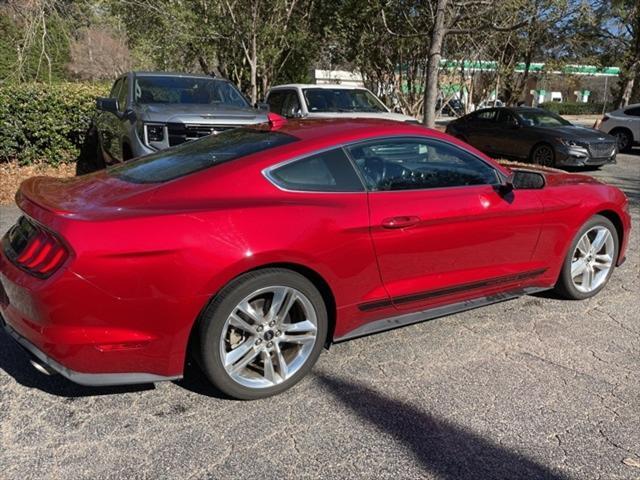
{"x": 530, "y": 388}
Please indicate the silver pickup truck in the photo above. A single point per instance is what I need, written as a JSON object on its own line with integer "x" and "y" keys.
{"x": 150, "y": 111}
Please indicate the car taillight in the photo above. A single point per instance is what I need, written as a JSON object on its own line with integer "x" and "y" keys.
{"x": 604, "y": 119}
{"x": 34, "y": 249}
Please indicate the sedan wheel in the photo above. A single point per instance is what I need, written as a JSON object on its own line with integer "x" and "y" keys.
{"x": 624, "y": 140}
{"x": 543, "y": 155}
{"x": 262, "y": 333}
{"x": 590, "y": 261}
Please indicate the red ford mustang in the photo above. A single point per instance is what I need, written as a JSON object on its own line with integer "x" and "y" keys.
{"x": 254, "y": 248}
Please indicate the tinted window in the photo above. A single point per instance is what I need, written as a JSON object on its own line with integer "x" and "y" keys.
{"x": 485, "y": 116}
{"x": 540, "y": 118}
{"x": 506, "y": 118}
{"x": 122, "y": 95}
{"x": 325, "y": 172}
{"x": 407, "y": 164}
{"x": 199, "y": 154}
{"x": 634, "y": 112}
{"x": 342, "y": 100}
{"x": 196, "y": 90}
{"x": 291, "y": 106}
{"x": 276, "y": 101}
{"x": 115, "y": 89}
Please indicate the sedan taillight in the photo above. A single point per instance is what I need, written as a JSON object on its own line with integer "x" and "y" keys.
{"x": 34, "y": 249}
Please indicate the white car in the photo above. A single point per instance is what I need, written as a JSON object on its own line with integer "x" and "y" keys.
{"x": 624, "y": 124}
{"x": 328, "y": 101}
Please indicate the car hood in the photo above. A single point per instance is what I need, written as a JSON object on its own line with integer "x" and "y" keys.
{"x": 398, "y": 117}
{"x": 201, "y": 114}
{"x": 575, "y": 132}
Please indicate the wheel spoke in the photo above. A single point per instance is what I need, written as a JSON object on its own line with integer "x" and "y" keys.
{"x": 578, "y": 267}
{"x": 603, "y": 262}
{"x": 269, "y": 372}
{"x": 238, "y": 322}
{"x": 283, "y": 300}
{"x": 283, "y": 368}
{"x": 601, "y": 237}
{"x": 237, "y": 353}
{"x": 587, "y": 277}
{"x": 299, "y": 327}
{"x": 299, "y": 339}
{"x": 247, "y": 309}
{"x": 584, "y": 245}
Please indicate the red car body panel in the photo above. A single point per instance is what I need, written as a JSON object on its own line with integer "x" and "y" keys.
{"x": 145, "y": 259}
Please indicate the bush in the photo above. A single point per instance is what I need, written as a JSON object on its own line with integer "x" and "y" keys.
{"x": 567, "y": 108}
{"x": 45, "y": 123}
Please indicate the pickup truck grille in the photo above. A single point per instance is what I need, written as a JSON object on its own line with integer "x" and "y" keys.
{"x": 601, "y": 150}
{"x": 181, "y": 132}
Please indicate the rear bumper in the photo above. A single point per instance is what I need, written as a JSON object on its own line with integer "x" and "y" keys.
{"x": 87, "y": 335}
{"x": 89, "y": 379}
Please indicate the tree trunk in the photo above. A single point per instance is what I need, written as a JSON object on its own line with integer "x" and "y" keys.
{"x": 254, "y": 70}
{"x": 433, "y": 64}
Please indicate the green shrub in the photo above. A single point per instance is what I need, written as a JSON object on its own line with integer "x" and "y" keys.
{"x": 568, "y": 108}
{"x": 45, "y": 123}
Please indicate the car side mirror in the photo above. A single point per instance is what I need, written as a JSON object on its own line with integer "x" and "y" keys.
{"x": 506, "y": 185}
{"x": 528, "y": 180}
{"x": 261, "y": 106}
{"x": 107, "y": 104}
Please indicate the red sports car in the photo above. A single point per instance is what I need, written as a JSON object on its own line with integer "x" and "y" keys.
{"x": 255, "y": 248}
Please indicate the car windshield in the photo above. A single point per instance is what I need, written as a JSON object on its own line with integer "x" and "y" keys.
{"x": 197, "y": 155}
{"x": 342, "y": 100}
{"x": 203, "y": 91}
{"x": 542, "y": 119}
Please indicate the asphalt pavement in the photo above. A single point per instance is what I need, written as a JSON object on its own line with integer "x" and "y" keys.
{"x": 534, "y": 388}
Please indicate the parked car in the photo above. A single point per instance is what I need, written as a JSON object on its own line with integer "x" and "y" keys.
{"x": 253, "y": 249}
{"x": 624, "y": 124}
{"x": 150, "y": 111}
{"x": 329, "y": 101}
{"x": 453, "y": 108}
{"x": 534, "y": 135}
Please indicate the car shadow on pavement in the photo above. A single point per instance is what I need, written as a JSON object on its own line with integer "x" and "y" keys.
{"x": 444, "y": 449}
{"x": 15, "y": 362}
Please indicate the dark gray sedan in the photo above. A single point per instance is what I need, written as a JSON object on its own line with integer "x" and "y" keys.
{"x": 534, "y": 135}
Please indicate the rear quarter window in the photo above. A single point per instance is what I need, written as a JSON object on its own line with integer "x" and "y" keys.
{"x": 200, "y": 154}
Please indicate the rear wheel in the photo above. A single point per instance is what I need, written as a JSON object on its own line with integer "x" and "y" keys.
{"x": 262, "y": 333}
{"x": 543, "y": 154}
{"x": 624, "y": 138}
{"x": 590, "y": 260}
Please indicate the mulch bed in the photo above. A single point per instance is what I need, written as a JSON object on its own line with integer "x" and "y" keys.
{"x": 12, "y": 175}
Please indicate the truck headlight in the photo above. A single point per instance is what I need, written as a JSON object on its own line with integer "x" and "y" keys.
{"x": 155, "y": 133}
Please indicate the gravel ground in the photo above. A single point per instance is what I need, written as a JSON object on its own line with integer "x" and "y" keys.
{"x": 532, "y": 388}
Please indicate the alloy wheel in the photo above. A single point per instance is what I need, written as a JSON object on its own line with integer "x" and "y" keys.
{"x": 592, "y": 259}
{"x": 543, "y": 155}
{"x": 623, "y": 140}
{"x": 268, "y": 337}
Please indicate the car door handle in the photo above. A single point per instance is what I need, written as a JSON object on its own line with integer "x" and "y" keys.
{"x": 400, "y": 222}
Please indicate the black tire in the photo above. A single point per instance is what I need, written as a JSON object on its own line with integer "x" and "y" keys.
{"x": 99, "y": 162}
{"x": 213, "y": 320}
{"x": 565, "y": 286}
{"x": 624, "y": 137}
{"x": 543, "y": 154}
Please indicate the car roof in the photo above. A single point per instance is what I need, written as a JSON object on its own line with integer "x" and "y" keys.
{"x": 318, "y": 85}
{"x": 175, "y": 74}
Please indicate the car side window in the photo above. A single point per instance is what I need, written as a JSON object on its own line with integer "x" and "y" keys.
{"x": 505, "y": 117}
{"x": 115, "y": 89}
{"x": 410, "y": 164}
{"x": 633, "y": 112}
{"x": 276, "y": 101}
{"x": 486, "y": 116}
{"x": 122, "y": 95}
{"x": 291, "y": 107}
{"x": 329, "y": 171}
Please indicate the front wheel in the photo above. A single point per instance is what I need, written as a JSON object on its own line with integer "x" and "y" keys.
{"x": 590, "y": 260}
{"x": 262, "y": 333}
{"x": 543, "y": 155}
